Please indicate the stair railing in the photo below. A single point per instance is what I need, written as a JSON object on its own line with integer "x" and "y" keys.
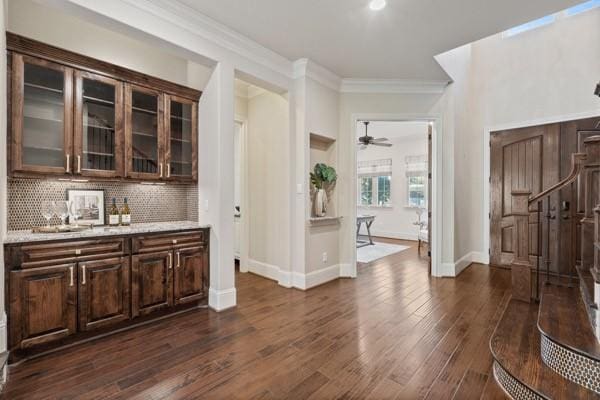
{"x": 521, "y": 204}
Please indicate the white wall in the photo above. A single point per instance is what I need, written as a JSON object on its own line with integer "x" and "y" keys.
{"x": 268, "y": 180}
{"x": 544, "y": 75}
{"x": 48, "y": 25}
{"x": 397, "y": 220}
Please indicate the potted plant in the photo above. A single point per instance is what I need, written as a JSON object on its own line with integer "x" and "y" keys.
{"x": 323, "y": 178}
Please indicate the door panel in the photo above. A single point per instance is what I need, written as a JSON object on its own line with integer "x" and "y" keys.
{"x": 181, "y": 143}
{"x": 189, "y": 274}
{"x": 103, "y": 293}
{"x": 152, "y": 287}
{"x": 41, "y": 116}
{"x": 43, "y": 305}
{"x": 525, "y": 158}
{"x": 98, "y": 135}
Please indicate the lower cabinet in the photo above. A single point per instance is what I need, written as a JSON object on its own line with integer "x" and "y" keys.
{"x": 104, "y": 293}
{"x": 189, "y": 275}
{"x": 76, "y": 293}
{"x": 43, "y": 305}
{"x": 152, "y": 287}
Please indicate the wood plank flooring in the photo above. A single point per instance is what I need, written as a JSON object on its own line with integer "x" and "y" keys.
{"x": 392, "y": 333}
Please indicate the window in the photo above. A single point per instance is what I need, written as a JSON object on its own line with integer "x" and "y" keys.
{"x": 417, "y": 191}
{"x": 548, "y": 19}
{"x": 375, "y": 183}
{"x": 416, "y": 181}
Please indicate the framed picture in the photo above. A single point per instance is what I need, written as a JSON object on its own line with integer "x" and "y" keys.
{"x": 90, "y": 204}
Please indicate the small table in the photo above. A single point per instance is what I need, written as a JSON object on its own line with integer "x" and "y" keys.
{"x": 368, "y": 221}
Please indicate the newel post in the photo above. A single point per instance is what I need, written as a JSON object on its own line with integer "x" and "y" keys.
{"x": 521, "y": 266}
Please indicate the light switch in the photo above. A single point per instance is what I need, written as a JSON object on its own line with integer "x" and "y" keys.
{"x": 205, "y": 205}
{"x": 299, "y": 188}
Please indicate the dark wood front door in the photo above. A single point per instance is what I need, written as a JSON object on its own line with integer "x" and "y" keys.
{"x": 189, "y": 274}
{"x": 152, "y": 286}
{"x": 534, "y": 158}
{"x": 42, "y": 305}
{"x": 103, "y": 293}
{"x": 526, "y": 158}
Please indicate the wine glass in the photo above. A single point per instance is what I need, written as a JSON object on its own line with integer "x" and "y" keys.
{"x": 62, "y": 210}
{"x": 47, "y": 211}
{"x": 74, "y": 212}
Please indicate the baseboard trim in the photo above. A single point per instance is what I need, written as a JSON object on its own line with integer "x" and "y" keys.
{"x": 454, "y": 269}
{"x": 221, "y": 300}
{"x": 346, "y": 271}
{"x": 316, "y": 278}
{"x": 263, "y": 269}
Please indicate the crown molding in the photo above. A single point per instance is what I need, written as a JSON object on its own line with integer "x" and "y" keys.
{"x": 310, "y": 69}
{"x": 396, "y": 86}
{"x": 188, "y": 18}
{"x": 254, "y": 91}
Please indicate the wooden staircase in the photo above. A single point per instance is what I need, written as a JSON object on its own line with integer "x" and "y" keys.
{"x": 547, "y": 344}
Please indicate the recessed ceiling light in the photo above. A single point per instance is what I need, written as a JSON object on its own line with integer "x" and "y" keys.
{"x": 377, "y": 5}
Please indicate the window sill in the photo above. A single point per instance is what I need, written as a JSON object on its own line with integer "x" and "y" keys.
{"x": 377, "y": 207}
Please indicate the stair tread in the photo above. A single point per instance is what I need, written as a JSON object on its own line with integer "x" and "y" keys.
{"x": 515, "y": 345}
{"x": 564, "y": 319}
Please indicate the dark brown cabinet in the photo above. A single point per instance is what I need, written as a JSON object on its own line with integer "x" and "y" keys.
{"x": 41, "y": 116}
{"x": 189, "y": 279}
{"x": 98, "y": 139}
{"x": 72, "y": 115}
{"x": 104, "y": 288}
{"x": 152, "y": 282}
{"x": 43, "y": 305}
{"x": 60, "y": 292}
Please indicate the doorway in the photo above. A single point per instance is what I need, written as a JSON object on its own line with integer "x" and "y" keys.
{"x": 393, "y": 171}
{"x": 534, "y": 158}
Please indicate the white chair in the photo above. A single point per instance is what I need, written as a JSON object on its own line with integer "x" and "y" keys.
{"x": 423, "y": 224}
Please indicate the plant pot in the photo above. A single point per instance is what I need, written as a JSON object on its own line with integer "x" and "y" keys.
{"x": 320, "y": 203}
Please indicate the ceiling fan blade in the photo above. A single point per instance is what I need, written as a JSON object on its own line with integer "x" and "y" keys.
{"x": 381, "y": 144}
{"x": 381, "y": 139}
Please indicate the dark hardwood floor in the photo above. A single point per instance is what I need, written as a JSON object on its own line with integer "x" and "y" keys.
{"x": 392, "y": 333}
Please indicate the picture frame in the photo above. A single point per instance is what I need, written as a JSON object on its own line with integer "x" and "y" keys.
{"x": 91, "y": 202}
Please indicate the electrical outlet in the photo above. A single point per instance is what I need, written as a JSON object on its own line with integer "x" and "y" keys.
{"x": 325, "y": 257}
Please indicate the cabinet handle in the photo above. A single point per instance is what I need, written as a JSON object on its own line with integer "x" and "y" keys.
{"x": 170, "y": 264}
{"x": 83, "y": 272}
{"x": 178, "y": 260}
{"x": 161, "y": 169}
{"x": 71, "y": 271}
{"x": 68, "y": 163}
{"x": 78, "y": 164}
{"x": 168, "y": 170}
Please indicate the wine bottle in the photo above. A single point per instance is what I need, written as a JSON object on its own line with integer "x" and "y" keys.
{"x": 125, "y": 213}
{"x": 113, "y": 214}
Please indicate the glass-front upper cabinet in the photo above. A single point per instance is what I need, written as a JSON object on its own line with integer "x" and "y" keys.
{"x": 41, "y": 108}
{"x": 182, "y": 121}
{"x": 98, "y": 139}
{"x": 144, "y": 133}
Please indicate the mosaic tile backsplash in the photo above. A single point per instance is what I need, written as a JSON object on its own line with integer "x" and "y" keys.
{"x": 148, "y": 203}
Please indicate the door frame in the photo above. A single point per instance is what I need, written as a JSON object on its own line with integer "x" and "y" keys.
{"x": 244, "y": 193}
{"x": 487, "y": 130}
{"x": 436, "y": 183}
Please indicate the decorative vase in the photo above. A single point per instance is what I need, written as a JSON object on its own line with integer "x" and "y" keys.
{"x": 320, "y": 203}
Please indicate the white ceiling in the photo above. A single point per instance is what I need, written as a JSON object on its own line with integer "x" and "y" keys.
{"x": 353, "y": 41}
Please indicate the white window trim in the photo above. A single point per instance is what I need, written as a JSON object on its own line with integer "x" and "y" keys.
{"x": 374, "y": 192}
{"x": 425, "y": 190}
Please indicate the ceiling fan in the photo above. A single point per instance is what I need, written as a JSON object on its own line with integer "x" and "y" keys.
{"x": 366, "y": 140}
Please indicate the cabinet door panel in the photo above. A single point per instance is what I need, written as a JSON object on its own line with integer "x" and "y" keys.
{"x": 41, "y": 116}
{"x": 152, "y": 282}
{"x": 190, "y": 274}
{"x": 43, "y": 305}
{"x": 144, "y": 133}
{"x": 98, "y": 135}
{"x": 103, "y": 293}
{"x": 181, "y": 144}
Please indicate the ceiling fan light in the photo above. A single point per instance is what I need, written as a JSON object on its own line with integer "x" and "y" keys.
{"x": 377, "y": 5}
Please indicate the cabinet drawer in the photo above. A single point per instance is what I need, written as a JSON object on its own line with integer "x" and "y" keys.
{"x": 143, "y": 244}
{"x": 35, "y": 255}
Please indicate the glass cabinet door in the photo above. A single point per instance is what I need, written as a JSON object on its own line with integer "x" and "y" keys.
{"x": 41, "y": 116}
{"x": 98, "y": 125}
{"x": 182, "y": 132}
{"x": 143, "y": 133}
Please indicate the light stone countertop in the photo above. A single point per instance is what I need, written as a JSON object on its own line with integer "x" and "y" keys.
{"x": 150, "y": 227}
